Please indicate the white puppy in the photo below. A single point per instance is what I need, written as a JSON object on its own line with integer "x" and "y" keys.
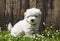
{"x": 29, "y": 25}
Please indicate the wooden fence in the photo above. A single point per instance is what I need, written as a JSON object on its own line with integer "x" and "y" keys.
{"x": 13, "y": 11}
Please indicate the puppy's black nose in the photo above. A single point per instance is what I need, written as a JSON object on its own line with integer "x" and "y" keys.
{"x": 32, "y": 20}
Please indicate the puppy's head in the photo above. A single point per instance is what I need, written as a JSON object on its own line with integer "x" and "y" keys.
{"x": 32, "y": 15}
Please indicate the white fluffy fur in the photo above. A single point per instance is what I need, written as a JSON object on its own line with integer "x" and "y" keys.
{"x": 26, "y": 26}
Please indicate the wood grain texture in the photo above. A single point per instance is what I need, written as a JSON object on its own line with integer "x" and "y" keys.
{"x": 13, "y": 11}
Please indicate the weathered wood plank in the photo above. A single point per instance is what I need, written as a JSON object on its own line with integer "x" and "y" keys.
{"x": 8, "y": 12}
{"x": 23, "y": 8}
{"x": 2, "y": 11}
{"x": 13, "y": 11}
{"x": 32, "y": 3}
{"x": 39, "y": 4}
{"x": 16, "y": 10}
{"x": 57, "y": 14}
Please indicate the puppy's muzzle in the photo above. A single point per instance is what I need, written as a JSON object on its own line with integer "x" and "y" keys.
{"x": 32, "y": 20}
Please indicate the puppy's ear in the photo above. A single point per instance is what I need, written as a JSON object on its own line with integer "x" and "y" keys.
{"x": 25, "y": 13}
{"x": 39, "y": 12}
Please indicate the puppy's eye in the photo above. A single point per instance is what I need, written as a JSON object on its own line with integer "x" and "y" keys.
{"x": 36, "y": 16}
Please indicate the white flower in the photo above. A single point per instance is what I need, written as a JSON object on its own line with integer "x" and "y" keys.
{"x": 42, "y": 34}
{"x": 36, "y": 38}
{"x": 47, "y": 34}
{"x": 47, "y": 27}
{"x": 52, "y": 36}
{"x": 51, "y": 26}
{"x": 45, "y": 30}
{"x": 43, "y": 23}
{"x": 56, "y": 30}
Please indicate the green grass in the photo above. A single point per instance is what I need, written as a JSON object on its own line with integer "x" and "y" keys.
{"x": 46, "y": 35}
